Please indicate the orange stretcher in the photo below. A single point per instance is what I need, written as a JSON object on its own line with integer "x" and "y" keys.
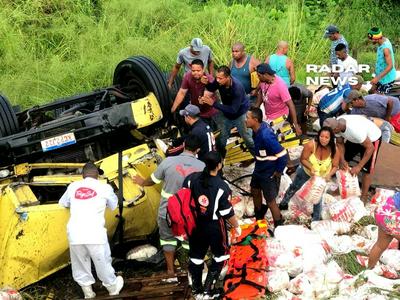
{"x": 246, "y": 277}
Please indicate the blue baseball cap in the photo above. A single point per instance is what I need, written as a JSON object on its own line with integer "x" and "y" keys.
{"x": 331, "y": 29}
{"x": 190, "y": 110}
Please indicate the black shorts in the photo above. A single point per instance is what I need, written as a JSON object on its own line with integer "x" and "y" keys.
{"x": 384, "y": 88}
{"x": 268, "y": 185}
{"x": 351, "y": 150}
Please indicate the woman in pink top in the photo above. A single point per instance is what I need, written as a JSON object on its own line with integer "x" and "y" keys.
{"x": 275, "y": 96}
{"x": 387, "y": 217}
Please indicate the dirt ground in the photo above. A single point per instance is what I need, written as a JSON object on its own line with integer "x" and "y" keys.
{"x": 61, "y": 285}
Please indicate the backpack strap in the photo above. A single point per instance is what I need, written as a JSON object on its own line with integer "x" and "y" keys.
{"x": 168, "y": 219}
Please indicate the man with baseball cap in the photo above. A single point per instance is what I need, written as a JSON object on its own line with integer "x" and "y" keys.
{"x": 385, "y": 67}
{"x": 374, "y": 105}
{"x": 357, "y": 85}
{"x": 196, "y": 50}
{"x": 334, "y": 103}
{"x": 332, "y": 33}
{"x": 378, "y": 108}
{"x": 190, "y": 111}
{"x": 199, "y": 128}
{"x": 275, "y": 96}
{"x": 362, "y": 137}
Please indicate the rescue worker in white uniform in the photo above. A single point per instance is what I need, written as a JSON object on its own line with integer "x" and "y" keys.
{"x": 87, "y": 200}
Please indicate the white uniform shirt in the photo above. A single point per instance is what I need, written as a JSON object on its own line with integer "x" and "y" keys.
{"x": 358, "y": 128}
{"x": 88, "y": 199}
{"x": 347, "y": 63}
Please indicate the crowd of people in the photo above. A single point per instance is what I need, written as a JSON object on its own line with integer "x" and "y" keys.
{"x": 245, "y": 94}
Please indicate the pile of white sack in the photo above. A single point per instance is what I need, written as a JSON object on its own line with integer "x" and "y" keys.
{"x": 8, "y": 293}
{"x": 301, "y": 255}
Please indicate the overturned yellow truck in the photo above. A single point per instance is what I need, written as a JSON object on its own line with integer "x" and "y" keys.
{"x": 43, "y": 149}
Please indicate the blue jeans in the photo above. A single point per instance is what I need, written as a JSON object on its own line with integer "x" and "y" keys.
{"x": 387, "y": 130}
{"x": 225, "y": 125}
{"x": 299, "y": 180}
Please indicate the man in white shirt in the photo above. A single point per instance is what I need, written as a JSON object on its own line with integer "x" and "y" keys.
{"x": 87, "y": 200}
{"x": 345, "y": 61}
{"x": 362, "y": 137}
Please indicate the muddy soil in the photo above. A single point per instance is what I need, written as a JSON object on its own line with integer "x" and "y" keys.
{"x": 61, "y": 285}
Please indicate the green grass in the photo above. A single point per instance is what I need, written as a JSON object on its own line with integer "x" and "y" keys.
{"x": 348, "y": 263}
{"x": 56, "y": 48}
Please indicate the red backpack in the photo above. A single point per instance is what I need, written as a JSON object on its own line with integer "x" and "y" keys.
{"x": 395, "y": 121}
{"x": 181, "y": 213}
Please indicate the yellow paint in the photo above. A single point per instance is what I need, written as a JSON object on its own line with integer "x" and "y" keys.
{"x": 25, "y": 169}
{"x": 294, "y": 143}
{"x": 146, "y": 110}
{"x": 241, "y": 154}
{"x": 56, "y": 165}
{"x": 255, "y": 81}
{"x": 238, "y": 159}
{"x": 285, "y": 129}
{"x": 110, "y": 164}
{"x": 22, "y": 169}
{"x": 288, "y": 137}
{"x": 234, "y": 143}
{"x": 235, "y": 150}
{"x": 55, "y": 179}
{"x": 278, "y": 120}
{"x": 395, "y": 139}
{"x": 33, "y": 239}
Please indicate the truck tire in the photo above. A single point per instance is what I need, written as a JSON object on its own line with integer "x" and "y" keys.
{"x": 8, "y": 118}
{"x": 138, "y": 76}
{"x": 175, "y": 118}
{"x": 175, "y": 87}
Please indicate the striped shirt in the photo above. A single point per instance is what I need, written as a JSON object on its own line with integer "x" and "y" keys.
{"x": 331, "y": 102}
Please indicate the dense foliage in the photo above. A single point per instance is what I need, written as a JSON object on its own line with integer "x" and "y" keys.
{"x": 55, "y": 48}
